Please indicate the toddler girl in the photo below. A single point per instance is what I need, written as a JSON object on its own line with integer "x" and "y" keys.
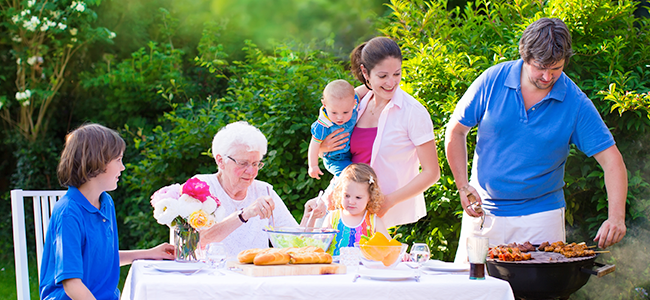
{"x": 357, "y": 198}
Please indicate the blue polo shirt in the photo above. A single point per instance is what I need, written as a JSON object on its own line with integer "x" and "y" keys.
{"x": 518, "y": 166}
{"x": 81, "y": 242}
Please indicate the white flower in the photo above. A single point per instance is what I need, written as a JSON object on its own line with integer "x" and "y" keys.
{"x": 78, "y": 6}
{"x": 31, "y": 24}
{"x": 47, "y": 24}
{"x": 74, "y": 40}
{"x": 18, "y": 61}
{"x": 28, "y": 94}
{"x": 19, "y": 96}
{"x": 32, "y": 60}
{"x": 188, "y": 205}
{"x": 220, "y": 214}
{"x": 31, "y": 3}
{"x": 55, "y": 14}
{"x": 62, "y": 26}
{"x": 25, "y": 12}
{"x": 209, "y": 205}
{"x": 26, "y": 103}
{"x": 15, "y": 19}
{"x": 111, "y": 35}
{"x": 16, "y": 39}
{"x": 73, "y": 31}
{"x": 165, "y": 211}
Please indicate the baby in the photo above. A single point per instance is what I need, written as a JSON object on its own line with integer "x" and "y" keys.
{"x": 339, "y": 110}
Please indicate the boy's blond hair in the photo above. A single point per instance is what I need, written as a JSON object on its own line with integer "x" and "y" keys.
{"x": 360, "y": 173}
{"x": 338, "y": 89}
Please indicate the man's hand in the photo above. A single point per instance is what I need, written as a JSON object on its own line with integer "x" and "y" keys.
{"x": 610, "y": 233}
{"x": 469, "y": 200}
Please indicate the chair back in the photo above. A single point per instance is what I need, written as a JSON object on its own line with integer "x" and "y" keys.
{"x": 43, "y": 205}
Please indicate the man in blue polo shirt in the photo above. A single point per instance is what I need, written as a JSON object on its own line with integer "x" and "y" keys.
{"x": 528, "y": 113}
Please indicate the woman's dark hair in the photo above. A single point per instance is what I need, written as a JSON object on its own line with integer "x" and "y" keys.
{"x": 88, "y": 149}
{"x": 370, "y": 53}
{"x": 546, "y": 42}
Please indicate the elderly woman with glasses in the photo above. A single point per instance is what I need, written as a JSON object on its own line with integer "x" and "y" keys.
{"x": 250, "y": 205}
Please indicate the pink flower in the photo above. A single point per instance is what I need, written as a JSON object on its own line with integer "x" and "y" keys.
{"x": 197, "y": 189}
{"x": 171, "y": 191}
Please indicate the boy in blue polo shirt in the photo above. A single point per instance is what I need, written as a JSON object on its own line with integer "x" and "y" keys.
{"x": 81, "y": 259}
{"x": 339, "y": 110}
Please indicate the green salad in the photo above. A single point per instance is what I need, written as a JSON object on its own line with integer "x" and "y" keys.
{"x": 285, "y": 241}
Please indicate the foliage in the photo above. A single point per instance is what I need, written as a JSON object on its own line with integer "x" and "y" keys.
{"x": 43, "y": 36}
{"x": 270, "y": 91}
{"x": 137, "y": 90}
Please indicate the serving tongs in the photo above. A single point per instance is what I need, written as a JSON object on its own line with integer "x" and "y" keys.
{"x": 268, "y": 191}
{"x": 318, "y": 201}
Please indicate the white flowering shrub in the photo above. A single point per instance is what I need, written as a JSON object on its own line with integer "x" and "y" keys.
{"x": 43, "y": 37}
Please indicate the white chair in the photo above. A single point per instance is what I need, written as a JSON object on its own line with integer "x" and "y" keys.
{"x": 43, "y": 205}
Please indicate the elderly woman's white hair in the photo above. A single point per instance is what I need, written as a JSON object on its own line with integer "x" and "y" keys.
{"x": 238, "y": 134}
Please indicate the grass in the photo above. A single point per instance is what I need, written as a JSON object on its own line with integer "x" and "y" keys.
{"x": 8, "y": 279}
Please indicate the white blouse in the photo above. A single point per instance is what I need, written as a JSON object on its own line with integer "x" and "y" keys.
{"x": 250, "y": 234}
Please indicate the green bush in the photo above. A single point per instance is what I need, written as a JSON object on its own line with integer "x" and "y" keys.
{"x": 277, "y": 92}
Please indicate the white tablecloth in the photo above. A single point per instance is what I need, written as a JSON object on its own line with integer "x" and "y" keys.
{"x": 145, "y": 283}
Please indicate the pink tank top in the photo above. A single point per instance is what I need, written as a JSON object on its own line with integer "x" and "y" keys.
{"x": 361, "y": 144}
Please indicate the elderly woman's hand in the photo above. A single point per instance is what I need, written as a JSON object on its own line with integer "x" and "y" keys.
{"x": 262, "y": 207}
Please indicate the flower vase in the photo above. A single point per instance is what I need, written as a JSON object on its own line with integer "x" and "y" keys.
{"x": 186, "y": 240}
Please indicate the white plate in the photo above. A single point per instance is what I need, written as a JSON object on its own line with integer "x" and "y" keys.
{"x": 172, "y": 266}
{"x": 386, "y": 274}
{"x": 436, "y": 265}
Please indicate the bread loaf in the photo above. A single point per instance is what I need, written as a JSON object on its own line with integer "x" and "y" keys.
{"x": 271, "y": 257}
{"x": 247, "y": 256}
{"x": 311, "y": 257}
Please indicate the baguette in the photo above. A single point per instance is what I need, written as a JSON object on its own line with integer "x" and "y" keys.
{"x": 271, "y": 257}
{"x": 247, "y": 256}
{"x": 311, "y": 258}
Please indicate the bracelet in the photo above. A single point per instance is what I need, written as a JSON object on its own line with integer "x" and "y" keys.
{"x": 240, "y": 215}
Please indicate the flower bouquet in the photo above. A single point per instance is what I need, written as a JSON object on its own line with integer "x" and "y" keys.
{"x": 187, "y": 209}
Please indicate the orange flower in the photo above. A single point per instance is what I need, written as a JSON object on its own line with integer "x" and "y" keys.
{"x": 200, "y": 219}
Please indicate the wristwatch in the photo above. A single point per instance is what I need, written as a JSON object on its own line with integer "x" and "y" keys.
{"x": 241, "y": 216}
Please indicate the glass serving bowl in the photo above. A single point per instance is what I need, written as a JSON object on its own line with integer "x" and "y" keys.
{"x": 284, "y": 237}
{"x": 381, "y": 257}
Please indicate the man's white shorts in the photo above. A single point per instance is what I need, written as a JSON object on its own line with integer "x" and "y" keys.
{"x": 541, "y": 227}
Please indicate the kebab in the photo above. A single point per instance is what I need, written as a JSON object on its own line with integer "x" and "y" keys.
{"x": 568, "y": 250}
{"x": 507, "y": 253}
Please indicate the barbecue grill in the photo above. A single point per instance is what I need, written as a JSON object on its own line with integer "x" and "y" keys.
{"x": 548, "y": 275}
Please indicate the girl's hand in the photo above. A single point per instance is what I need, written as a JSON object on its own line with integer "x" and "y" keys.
{"x": 318, "y": 207}
{"x": 333, "y": 142}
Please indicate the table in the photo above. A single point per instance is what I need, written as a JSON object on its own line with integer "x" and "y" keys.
{"x": 145, "y": 283}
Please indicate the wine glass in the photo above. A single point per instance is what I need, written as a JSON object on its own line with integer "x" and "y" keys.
{"x": 420, "y": 254}
{"x": 215, "y": 254}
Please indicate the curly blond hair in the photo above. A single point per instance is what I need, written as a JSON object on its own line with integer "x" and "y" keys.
{"x": 360, "y": 173}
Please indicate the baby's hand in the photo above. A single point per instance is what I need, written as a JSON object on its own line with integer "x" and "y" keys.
{"x": 314, "y": 172}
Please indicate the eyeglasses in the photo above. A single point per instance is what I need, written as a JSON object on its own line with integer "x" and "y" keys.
{"x": 244, "y": 164}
